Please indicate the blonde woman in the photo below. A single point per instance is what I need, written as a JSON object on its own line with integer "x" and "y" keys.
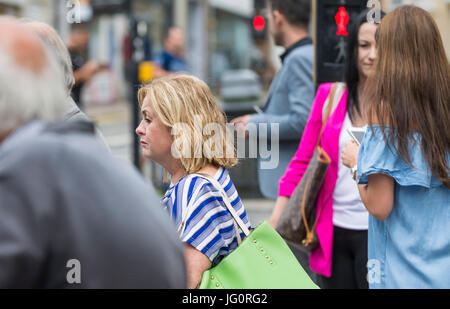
{"x": 184, "y": 130}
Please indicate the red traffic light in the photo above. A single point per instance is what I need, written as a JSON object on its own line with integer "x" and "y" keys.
{"x": 342, "y": 21}
{"x": 259, "y": 23}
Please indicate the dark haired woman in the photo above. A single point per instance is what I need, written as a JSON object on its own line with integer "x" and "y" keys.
{"x": 403, "y": 164}
{"x": 341, "y": 258}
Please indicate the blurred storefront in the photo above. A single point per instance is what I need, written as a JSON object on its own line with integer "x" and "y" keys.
{"x": 42, "y": 10}
{"x": 439, "y": 9}
{"x": 110, "y": 41}
{"x": 9, "y": 8}
{"x": 230, "y": 42}
{"x": 218, "y": 31}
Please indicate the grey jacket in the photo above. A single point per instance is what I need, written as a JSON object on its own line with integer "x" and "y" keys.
{"x": 74, "y": 113}
{"x": 289, "y": 104}
{"x": 65, "y": 198}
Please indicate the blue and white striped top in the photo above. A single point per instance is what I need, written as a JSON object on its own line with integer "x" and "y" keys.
{"x": 209, "y": 226}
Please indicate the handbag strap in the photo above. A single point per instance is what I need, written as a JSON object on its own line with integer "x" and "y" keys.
{"x": 227, "y": 202}
{"x": 309, "y": 232}
{"x": 237, "y": 221}
{"x": 333, "y": 99}
{"x": 330, "y": 104}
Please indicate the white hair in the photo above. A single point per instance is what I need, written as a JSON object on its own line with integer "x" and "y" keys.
{"x": 54, "y": 43}
{"x": 26, "y": 95}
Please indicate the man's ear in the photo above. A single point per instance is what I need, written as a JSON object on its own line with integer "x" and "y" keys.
{"x": 278, "y": 18}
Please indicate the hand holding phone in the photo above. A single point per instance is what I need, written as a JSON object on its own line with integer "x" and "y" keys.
{"x": 349, "y": 154}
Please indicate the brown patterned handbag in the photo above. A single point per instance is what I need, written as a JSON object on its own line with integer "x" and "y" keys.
{"x": 298, "y": 221}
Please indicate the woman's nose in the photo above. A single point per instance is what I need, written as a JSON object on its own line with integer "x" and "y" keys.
{"x": 373, "y": 53}
{"x": 140, "y": 130}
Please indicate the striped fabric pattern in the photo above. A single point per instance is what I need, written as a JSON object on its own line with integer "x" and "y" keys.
{"x": 209, "y": 226}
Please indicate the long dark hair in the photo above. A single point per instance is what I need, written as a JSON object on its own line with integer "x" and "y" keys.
{"x": 409, "y": 90}
{"x": 351, "y": 73}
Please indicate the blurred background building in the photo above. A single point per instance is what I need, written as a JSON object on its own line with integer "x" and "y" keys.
{"x": 440, "y": 9}
{"x": 216, "y": 30}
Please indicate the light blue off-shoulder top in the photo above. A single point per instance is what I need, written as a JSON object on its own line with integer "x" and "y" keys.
{"x": 411, "y": 248}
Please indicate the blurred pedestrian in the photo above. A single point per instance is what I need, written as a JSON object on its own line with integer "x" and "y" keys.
{"x": 54, "y": 44}
{"x": 342, "y": 226}
{"x": 171, "y": 59}
{"x": 403, "y": 164}
{"x": 105, "y": 233}
{"x": 292, "y": 91}
{"x": 83, "y": 68}
{"x": 177, "y": 111}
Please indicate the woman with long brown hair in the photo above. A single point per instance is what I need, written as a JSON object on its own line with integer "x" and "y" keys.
{"x": 403, "y": 163}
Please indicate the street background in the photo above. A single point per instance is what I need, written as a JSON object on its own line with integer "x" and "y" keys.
{"x": 221, "y": 45}
{"x": 114, "y": 121}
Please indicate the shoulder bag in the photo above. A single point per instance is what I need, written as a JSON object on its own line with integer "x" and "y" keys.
{"x": 298, "y": 221}
{"x": 261, "y": 261}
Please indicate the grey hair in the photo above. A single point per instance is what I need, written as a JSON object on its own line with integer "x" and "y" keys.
{"x": 26, "y": 95}
{"x": 54, "y": 43}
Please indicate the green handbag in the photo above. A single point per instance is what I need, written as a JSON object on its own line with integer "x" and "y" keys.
{"x": 261, "y": 261}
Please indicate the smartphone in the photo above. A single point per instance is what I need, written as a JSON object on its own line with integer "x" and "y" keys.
{"x": 357, "y": 134}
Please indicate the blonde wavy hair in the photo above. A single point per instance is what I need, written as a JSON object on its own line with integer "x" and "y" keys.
{"x": 187, "y": 107}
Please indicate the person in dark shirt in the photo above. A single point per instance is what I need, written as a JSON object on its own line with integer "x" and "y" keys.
{"x": 171, "y": 59}
{"x": 83, "y": 68}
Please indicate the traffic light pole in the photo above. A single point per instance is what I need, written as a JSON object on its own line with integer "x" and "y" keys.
{"x": 136, "y": 120}
{"x": 134, "y": 90}
{"x": 141, "y": 72}
{"x": 134, "y": 84}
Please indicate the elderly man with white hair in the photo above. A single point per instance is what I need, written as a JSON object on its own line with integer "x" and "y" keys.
{"x": 53, "y": 43}
{"x": 108, "y": 233}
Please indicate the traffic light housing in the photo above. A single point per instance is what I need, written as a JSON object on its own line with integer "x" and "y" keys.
{"x": 259, "y": 22}
{"x": 259, "y": 4}
{"x": 259, "y": 25}
{"x": 331, "y": 20}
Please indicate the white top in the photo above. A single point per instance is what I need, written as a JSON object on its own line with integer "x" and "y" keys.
{"x": 348, "y": 210}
